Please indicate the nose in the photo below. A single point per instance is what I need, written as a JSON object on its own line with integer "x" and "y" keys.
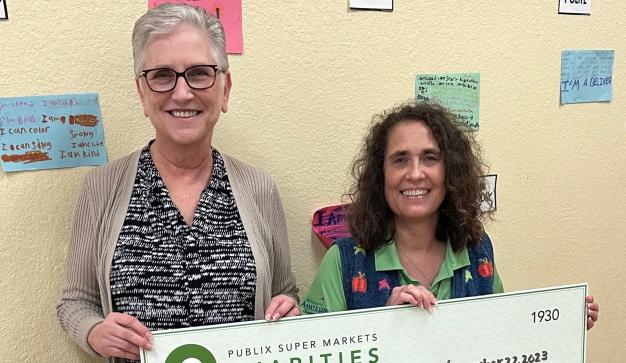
{"x": 416, "y": 170}
{"x": 181, "y": 91}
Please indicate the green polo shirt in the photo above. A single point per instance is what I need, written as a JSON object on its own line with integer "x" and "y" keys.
{"x": 326, "y": 292}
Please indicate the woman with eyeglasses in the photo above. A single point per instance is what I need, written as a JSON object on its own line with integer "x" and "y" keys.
{"x": 176, "y": 234}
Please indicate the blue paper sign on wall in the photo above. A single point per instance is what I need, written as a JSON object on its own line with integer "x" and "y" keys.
{"x": 586, "y": 76}
{"x": 45, "y": 132}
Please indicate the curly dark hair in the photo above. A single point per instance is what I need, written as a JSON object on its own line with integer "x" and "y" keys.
{"x": 371, "y": 221}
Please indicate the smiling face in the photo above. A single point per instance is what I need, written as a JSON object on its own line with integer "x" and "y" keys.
{"x": 414, "y": 173}
{"x": 183, "y": 116}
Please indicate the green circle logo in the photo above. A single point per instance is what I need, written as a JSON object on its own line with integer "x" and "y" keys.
{"x": 186, "y": 351}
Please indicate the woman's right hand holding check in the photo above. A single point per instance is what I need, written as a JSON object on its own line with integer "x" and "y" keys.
{"x": 120, "y": 335}
{"x": 411, "y": 294}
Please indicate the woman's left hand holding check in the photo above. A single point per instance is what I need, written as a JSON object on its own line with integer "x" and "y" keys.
{"x": 281, "y": 306}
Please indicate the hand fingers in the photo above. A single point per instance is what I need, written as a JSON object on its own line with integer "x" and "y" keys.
{"x": 423, "y": 295}
{"x": 104, "y": 339}
{"x": 414, "y": 295}
{"x": 593, "y": 313}
{"x": 280, "y": 306}
{"x": 123, "y": 348}
{"x": 593, "y": 310}
{"x": 294, "y": 311}
{"x": 406, "y": 298}
{"x": 120, "y": 353}
{"x": 399, "y": 297}
{"x": 270, "y": 311}
{"x": 396, "y": 297}
{"x": 132, "y": 323}
{"x": 116, "y": 336}
{"x": 133, "y": 338}
{"x": 281, "y": 309}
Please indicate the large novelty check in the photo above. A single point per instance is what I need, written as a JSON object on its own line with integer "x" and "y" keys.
{"x": 544, "y": 325}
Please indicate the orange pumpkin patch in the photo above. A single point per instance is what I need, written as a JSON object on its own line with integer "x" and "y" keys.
{"x": 485, "y": 268}
{"x": 359, "y": 283}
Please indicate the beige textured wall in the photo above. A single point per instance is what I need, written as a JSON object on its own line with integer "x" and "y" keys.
{"x": 312, "y": 75}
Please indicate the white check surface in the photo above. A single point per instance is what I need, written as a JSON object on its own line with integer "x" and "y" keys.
{"x": 514, "y": 327}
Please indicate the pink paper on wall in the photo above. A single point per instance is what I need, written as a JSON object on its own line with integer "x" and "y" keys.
{"x": 229, "y": 13}
{"x": 331, "y": 223}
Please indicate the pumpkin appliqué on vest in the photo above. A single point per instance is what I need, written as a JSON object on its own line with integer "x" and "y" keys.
{"x": 359, "y": 283}
{"x": 485, "y": 268}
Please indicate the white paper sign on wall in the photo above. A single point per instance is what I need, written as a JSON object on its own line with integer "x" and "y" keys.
{"x": 3, "y": 10}
{"x": 578, "y": 7}
{"x": 372, "y": 4}
{"x": 489, "y": 198}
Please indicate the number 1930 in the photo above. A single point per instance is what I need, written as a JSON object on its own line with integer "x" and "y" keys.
{"x": 545, "y": 315}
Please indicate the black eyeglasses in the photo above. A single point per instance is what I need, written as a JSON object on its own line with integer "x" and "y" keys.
{"x": 165, "y": 79}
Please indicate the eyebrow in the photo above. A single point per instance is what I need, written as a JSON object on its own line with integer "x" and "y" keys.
{"x": 425, "y": 151}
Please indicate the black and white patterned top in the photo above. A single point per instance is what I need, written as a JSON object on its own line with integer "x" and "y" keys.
{"x": 170, "y": 275}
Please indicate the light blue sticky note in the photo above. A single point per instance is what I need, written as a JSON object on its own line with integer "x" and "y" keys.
{"x": 586, "y": 76}
{"x": 459, "y": 92}
{"x": 46, "y": 132}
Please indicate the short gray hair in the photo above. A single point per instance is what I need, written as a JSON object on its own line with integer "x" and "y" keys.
{"x": 165, "y": 18}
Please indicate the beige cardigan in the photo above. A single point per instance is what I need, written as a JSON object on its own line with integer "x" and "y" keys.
{"x": 100, "y": 213}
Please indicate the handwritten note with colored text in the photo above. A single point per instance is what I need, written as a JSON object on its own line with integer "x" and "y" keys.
{"x": 229, "y": 13}
{"x": 46, "y": 132}
{"x": 586, "y": 76}
{"x": 459, "y": 92}
{"x": 331, "y": 223}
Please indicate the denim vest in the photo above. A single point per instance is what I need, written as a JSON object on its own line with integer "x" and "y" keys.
{"x": 364, "y": 287}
